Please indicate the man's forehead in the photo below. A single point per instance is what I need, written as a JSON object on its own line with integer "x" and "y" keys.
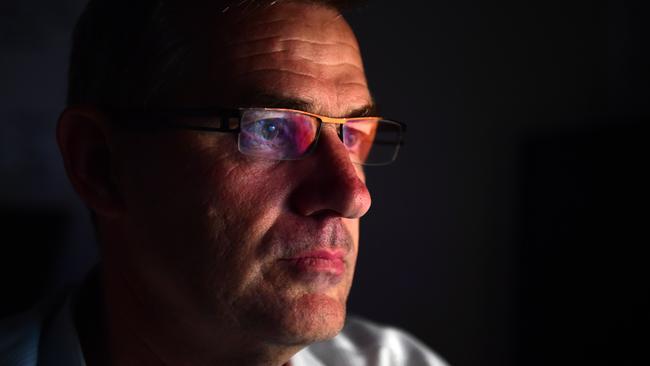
{"x": 243, "y": 29}
{"x": 291, "y": 54}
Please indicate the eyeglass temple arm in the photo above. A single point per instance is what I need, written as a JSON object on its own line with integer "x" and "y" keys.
{"x": 224, "y": 120}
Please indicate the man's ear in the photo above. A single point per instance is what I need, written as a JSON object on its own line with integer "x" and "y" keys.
{"x": 85, "y": 141}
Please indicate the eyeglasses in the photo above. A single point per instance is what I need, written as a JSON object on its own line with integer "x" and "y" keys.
{"x": 279, "y": 134}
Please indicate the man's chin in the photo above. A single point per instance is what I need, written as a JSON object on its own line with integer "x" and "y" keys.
{"x": 312, "y": 318}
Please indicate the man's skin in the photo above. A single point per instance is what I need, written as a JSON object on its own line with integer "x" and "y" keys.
{"x": 199, "y": 241}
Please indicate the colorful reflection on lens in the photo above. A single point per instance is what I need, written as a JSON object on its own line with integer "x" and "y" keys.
{"x": 358, "y": 136}
{"x": 276, "y": 134}
{"x": 279, "y": 134}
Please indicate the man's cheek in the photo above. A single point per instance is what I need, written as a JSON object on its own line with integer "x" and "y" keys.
{"x": 251, "y": 186}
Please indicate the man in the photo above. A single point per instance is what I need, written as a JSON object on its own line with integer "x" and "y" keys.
{"x": 226, "y": 196}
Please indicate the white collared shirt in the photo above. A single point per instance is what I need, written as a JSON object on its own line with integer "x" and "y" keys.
{"x": 362, "y": 343}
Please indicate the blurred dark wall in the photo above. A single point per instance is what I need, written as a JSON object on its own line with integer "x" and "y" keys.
{"x": 582, "y": 268}
{"x": 510, "y": 230}
{"x": 46, "y": 237}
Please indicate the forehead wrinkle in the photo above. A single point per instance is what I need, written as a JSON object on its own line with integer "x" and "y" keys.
{"x": 280, "y": 70}
{"x": 305, "y": 48}
{"x": 296, "y": 50}
{"x": 332, "y": 74}
{"x": 326, "y": 70}
{"x": 264, "y": 55}
{"x": 297, "y": 26}
{"x": 327, "y": 62}
{"x": 299, "y": 48}
{"x": 280, "y": 37}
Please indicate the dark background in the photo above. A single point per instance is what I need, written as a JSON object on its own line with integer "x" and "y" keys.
{"x": 511, "y": 231}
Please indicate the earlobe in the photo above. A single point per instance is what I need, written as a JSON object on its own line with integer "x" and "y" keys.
{"x": 84, "y": 140}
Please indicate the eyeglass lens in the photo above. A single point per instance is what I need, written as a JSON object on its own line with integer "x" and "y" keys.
{"x": 286, "y": 135}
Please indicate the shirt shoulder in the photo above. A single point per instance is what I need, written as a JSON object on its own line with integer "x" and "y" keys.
{"x": 363, "y": 343}
{"x": 20, "y": 337}
{"x": 43, "y": 336}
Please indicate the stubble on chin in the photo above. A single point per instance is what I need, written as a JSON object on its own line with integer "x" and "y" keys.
{"x": 291, "y": 314}
{"x": 307, "y": 319}
{"x": 317, "y": 317}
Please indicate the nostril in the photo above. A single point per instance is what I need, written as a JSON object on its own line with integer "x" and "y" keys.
{"x": 325, "y": 214}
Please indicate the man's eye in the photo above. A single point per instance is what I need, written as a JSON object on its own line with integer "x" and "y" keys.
{"x": 268, "y": 129}
{"x": 352, "y": 138}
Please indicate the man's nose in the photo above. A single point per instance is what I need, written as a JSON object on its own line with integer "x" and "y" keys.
{"x": 331, "y": 182}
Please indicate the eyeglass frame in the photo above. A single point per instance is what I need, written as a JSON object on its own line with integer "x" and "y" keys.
{"x": 233, "y": 117}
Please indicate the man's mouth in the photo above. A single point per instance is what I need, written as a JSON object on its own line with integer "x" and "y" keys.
{"x": 321, "y": 260}
{"x": 320, "y": 265}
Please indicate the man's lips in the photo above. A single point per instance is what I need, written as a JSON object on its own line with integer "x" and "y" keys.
{"x": 318, "y": 261}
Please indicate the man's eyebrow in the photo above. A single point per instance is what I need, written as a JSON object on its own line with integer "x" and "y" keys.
{"x": 369, "y": 110}
{"x": 276, "y": 101}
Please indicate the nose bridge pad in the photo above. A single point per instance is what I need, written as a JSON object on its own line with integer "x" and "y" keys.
{"x": 338, "y": 127}
{"x": 339, "y": 131}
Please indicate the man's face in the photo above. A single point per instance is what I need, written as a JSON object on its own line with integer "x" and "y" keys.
{"x": 265, "y": 248}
